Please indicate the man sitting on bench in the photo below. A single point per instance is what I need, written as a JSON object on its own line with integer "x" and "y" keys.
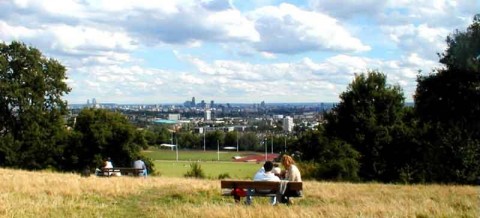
{"x": 264, "y": 174}
{"x": 139, "y": 164}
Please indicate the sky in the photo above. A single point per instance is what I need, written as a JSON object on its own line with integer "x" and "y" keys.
{"x": 233, "y": 51}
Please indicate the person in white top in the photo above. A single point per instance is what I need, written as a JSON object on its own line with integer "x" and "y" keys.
{"x": 107, "y": 165}
{"x": 264, "y": 174}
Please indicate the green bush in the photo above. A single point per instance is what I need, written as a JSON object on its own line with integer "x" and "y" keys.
{"x": 308, "y": 170}
{"x": 195, "y": 171}
{"x": 224, "y": 176}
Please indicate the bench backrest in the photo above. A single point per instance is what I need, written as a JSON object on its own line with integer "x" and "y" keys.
{"x": 274, "y": 186}
{"x": 123, "y": 170}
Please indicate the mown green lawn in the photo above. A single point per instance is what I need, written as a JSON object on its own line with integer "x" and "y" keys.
{"x": 194, "y": 155}
{"x": 212, "y": 163}
{"x": 212, "y": 169}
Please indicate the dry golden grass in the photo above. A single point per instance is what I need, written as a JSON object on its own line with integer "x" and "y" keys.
{"x": 45, "y": 194}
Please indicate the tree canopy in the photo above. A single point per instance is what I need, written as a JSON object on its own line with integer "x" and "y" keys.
{"x": 365, "y": 117}
{"x": 447, "y": 103}
{"x": 31, "y": 107}
{"x": 98, "y": 134}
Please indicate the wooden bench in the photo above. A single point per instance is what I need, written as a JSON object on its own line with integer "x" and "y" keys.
{"x": 124, "y": 171}
{"x": 260, "y": 188}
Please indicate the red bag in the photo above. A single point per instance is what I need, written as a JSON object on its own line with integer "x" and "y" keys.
{"x": 239, "y": 192}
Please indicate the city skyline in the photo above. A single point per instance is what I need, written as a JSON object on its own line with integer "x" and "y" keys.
{"x": 230, "y": 51}
{"x": 183, "y": 102}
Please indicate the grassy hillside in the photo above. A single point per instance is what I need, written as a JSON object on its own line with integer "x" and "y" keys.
{"x": 45, "y": 194}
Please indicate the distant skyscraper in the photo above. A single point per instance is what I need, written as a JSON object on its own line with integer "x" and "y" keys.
{"x": 193, "y": 102}
{"x": 208, "y": 115}
{"x": 212, "y": 104}
{"x": 288, "y": 124}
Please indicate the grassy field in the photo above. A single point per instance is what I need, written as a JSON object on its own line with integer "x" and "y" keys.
{"x": 194, "y": 155}
{"x": 45, "y": 194}
{"x": 166, "y": 165}
{"x": 212, "y": 169}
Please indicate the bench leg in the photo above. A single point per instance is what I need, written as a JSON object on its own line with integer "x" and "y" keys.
{"x": 237, "y": 198}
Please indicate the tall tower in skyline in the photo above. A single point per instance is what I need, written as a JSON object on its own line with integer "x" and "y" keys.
{"x": 208, "y": 114}
{"x": 288, "y": 124}
{"x": 193, "y": 102}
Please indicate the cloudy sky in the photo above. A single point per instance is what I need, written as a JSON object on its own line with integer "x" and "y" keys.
{"x": 237, "y": 51}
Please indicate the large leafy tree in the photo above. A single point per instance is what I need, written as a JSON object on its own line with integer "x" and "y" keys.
{"x": 98, "y": 134}
{"x": 31, "y": 107}
{"x": 365, "y": 117}
{"x": 448, "y": 105}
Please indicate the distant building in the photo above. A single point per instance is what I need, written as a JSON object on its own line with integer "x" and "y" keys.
{"x": 193, "y": 102}
{"x": 288, "y": 124}
{"x": 208, "y": 114}
{"x": 173, "y": 116}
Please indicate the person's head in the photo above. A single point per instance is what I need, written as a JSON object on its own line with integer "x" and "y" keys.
{"x": 287, "y": 161}
{"x": 268, "y": 166}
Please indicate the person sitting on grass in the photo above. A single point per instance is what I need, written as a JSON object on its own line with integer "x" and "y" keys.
{"x": 264, "y": 175}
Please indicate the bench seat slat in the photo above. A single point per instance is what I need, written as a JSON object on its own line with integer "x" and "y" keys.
{"x": 229, "y": 184}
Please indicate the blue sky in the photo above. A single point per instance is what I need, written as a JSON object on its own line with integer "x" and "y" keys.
{"x": 237, "y": 51}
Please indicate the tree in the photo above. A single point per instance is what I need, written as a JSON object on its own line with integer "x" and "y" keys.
{"x": 334, "y": 159}
{"x": 462, "y": 48}
{"x": 231, "y": 139}
{"x": 447, "y": 103}
{"x": 213, "y": 138}
{"x": 31, "y": 107}
{"x": 365, "y": 117}
{"x": 249, "y": 141}
{"x": 309, "y": 144}
{"x": 189, "y": 140}
{"x": 99, "y": 134}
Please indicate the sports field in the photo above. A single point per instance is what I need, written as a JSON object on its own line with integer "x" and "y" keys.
{"x": 167, "y": 166}
{"x": 238, "y": 170}
{"x": 194, "y": 155}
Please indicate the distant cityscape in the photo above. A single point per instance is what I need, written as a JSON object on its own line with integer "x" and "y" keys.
{"x": 203, "y": 116}
{"x": 213, "y": 116}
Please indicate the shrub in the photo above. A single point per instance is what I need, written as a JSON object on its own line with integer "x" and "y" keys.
{"x": 224, "y": 176}
{"x": 195, "y": 171}
{"x": 309, "y": 170}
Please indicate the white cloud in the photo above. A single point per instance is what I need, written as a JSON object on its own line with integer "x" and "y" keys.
{"x": 348, "y": 8}
{"x": 422, "y": 39}
{"x": 86, "y": 39}
{"x": 190, "y": 79}
{"x": 289, "y": 29}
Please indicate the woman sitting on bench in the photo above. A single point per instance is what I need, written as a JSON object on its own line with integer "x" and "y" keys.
{"x": 292, "y": 174}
